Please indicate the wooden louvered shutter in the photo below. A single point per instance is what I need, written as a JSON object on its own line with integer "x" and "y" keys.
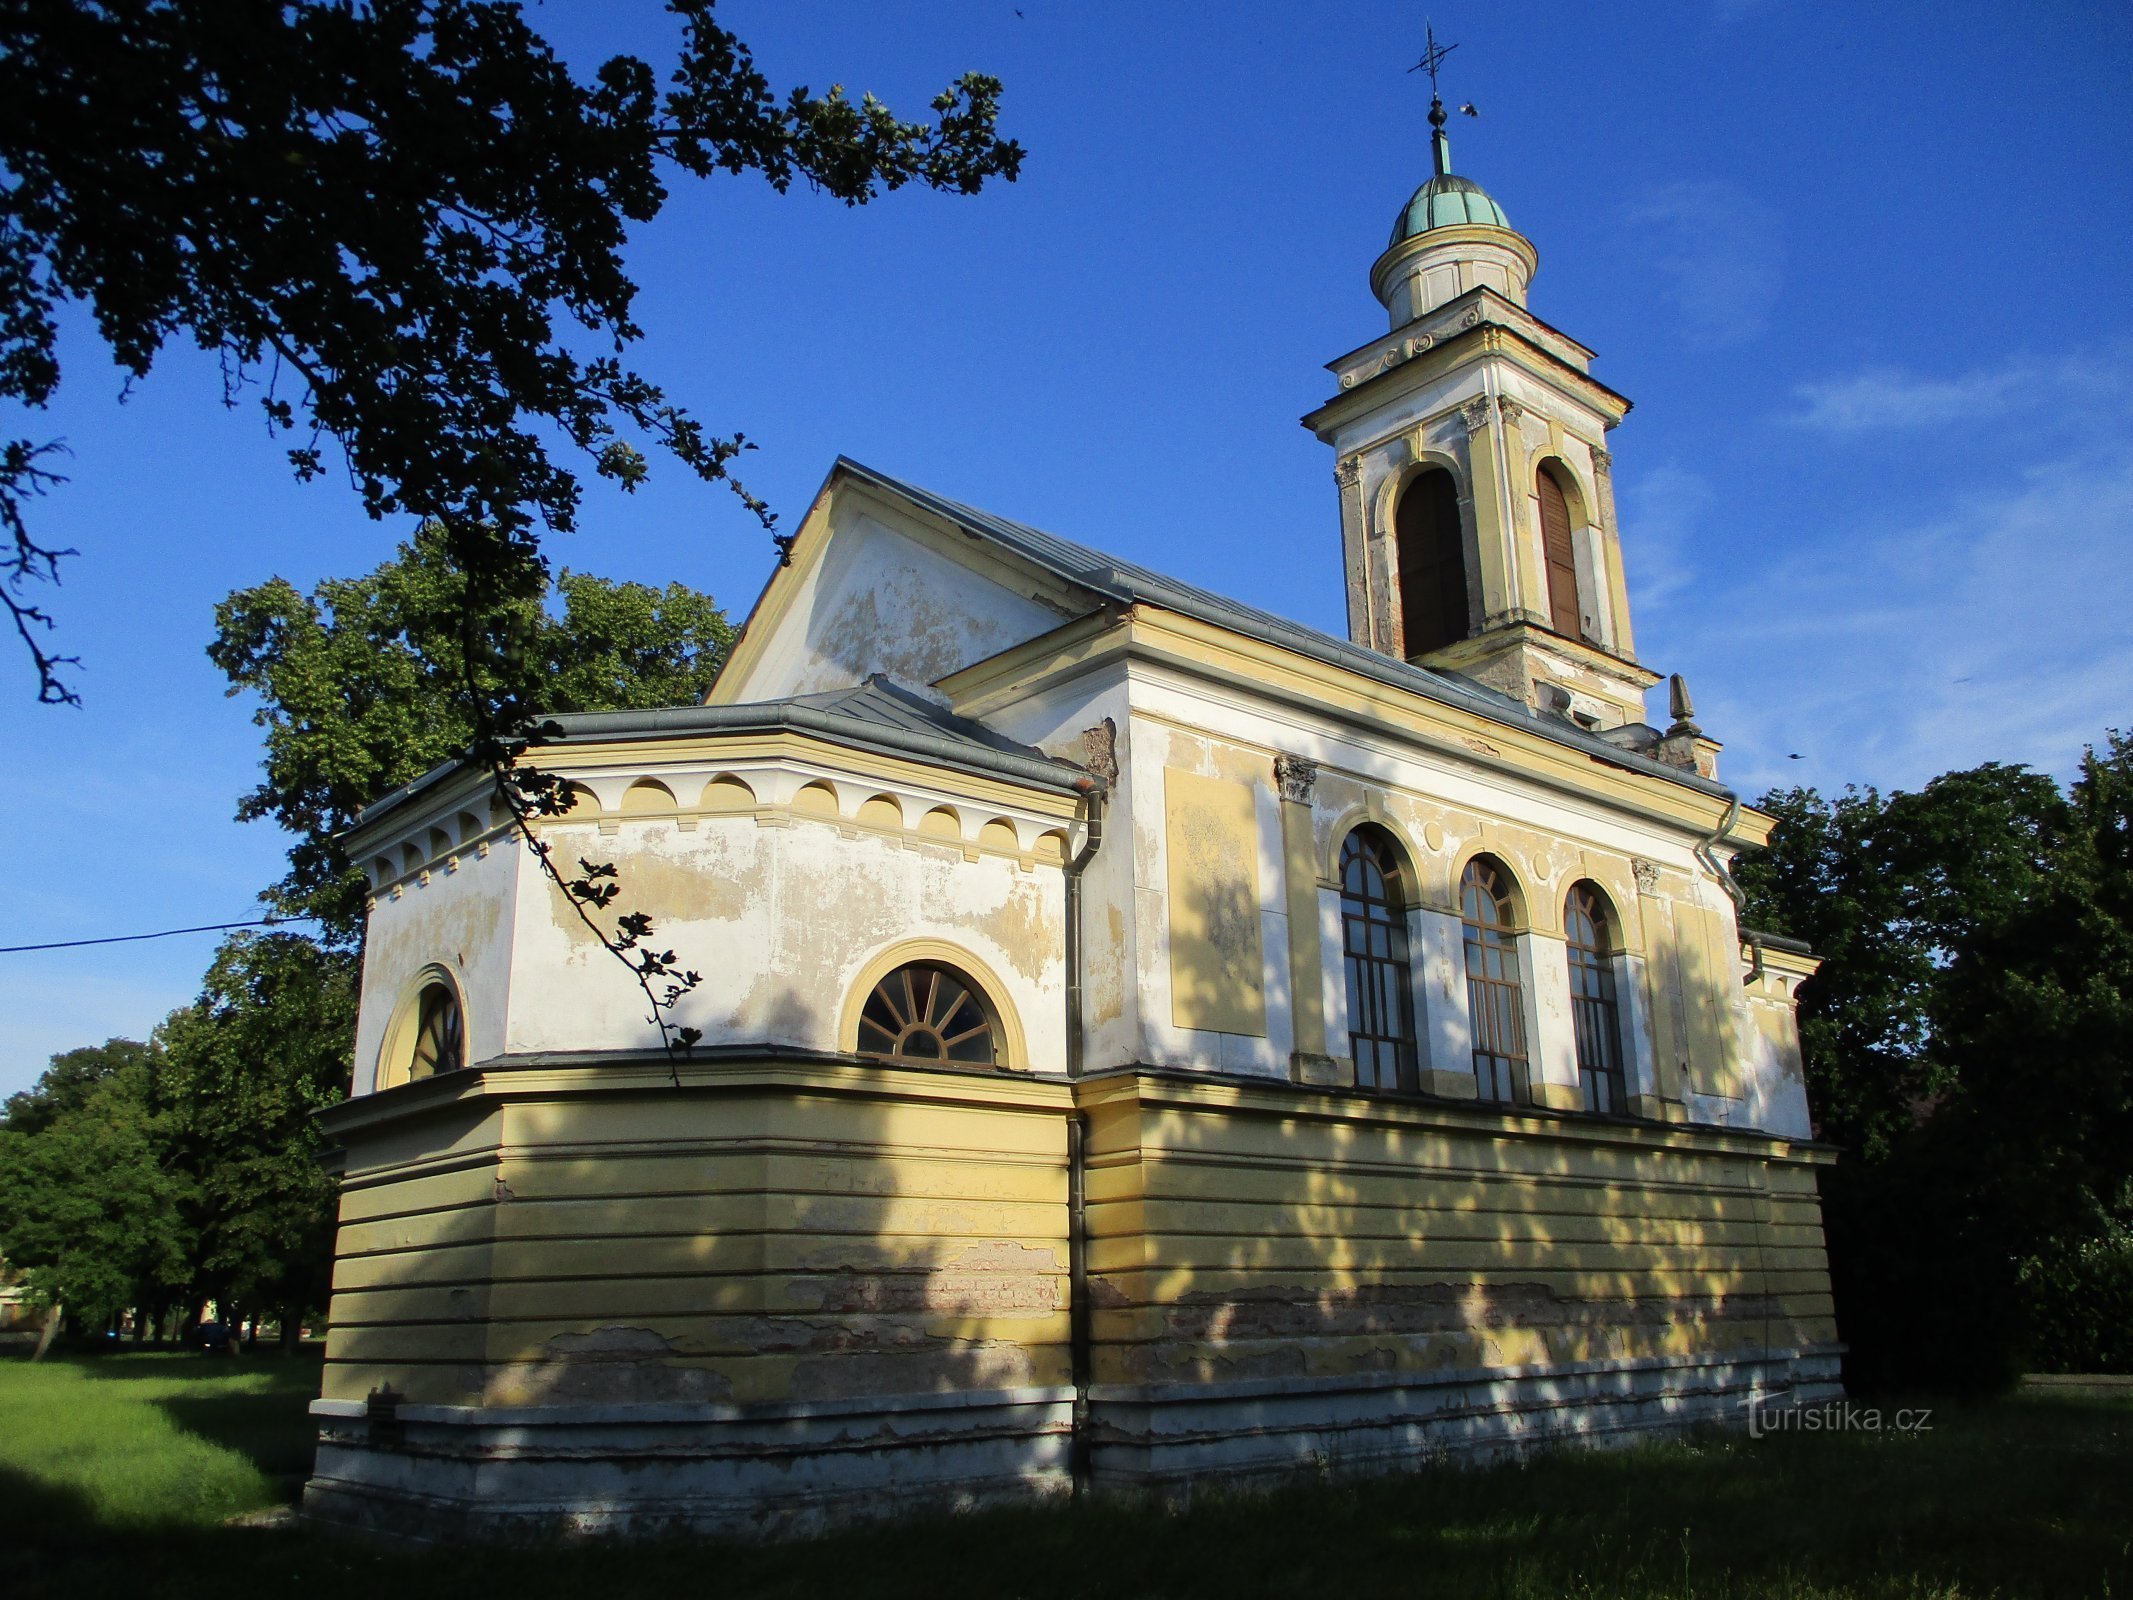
{"x": 1562, "y": 559}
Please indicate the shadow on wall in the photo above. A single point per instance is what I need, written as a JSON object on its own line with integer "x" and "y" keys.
{"x": 1240, "y": 1245}
{"x": 776, "y": 1247}
{"x": 859, "y": 1273}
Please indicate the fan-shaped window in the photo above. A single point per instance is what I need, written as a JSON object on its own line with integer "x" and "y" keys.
{"x": 1381, "y": 1011}
{"x": 1495, "y": 995}
{"x": 929, "y": 1012}
{"x": 1589, "y": 932}
{"x": 1561, "y": 554}
{"x": 1432, "y": 557}
{"x": 440, "y": 1044}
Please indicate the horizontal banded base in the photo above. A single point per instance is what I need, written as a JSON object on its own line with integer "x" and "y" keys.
{"x": 431, "y": 1473}
{"x": 1168, "y": 1440}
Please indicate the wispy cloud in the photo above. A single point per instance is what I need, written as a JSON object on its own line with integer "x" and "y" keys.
{"x": 1886, "y": 398}
{"x": 1994, "y": 632}
{"x": 1667, "y": 507}
{"x": 1721, "y": 253}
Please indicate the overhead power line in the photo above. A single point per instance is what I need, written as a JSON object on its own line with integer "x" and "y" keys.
{"x": 165, "y": 933}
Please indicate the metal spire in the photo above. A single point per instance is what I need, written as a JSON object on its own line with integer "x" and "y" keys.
{"x": 1440, "y": 147}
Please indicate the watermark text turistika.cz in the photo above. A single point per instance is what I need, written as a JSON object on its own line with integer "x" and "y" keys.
{"x": 1838, "y": 1416}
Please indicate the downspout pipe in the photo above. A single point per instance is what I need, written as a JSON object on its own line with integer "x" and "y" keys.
{"x": 1079, "y": 1339}
{"x": 1706, "y": 851}
{"x": 1092, "y": 794}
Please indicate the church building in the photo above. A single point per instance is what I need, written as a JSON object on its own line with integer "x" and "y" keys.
{"x": 1146, "y": 1043}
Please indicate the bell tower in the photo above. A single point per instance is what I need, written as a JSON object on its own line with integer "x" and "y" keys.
{"x": 1476, "y": 488}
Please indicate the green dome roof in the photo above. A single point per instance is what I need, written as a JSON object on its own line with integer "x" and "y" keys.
{"x": 1447, "y": 202}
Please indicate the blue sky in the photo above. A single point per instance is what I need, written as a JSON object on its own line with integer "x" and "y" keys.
{"x": 1863, "y": 269}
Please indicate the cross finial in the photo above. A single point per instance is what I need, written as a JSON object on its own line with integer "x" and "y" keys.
{"x": 1440, "y": 148}
{"x": 1432, "y": 59}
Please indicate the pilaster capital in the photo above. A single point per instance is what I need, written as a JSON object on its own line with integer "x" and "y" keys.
{"x": 1295, "y": 777}
{"x": 1511, "y": 411}
{"x": 1099, "y": 750}
{"x": 1348, "y": 473}
{"x": 1475, "y": 413}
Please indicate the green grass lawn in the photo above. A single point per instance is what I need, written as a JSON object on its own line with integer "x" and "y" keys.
{"x": 116, "y": 1473}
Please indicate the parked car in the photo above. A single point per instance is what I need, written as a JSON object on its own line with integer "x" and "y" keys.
{"x": 214, "y": 1337}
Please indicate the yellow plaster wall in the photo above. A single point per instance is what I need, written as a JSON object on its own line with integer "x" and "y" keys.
{"x": 758, "y": 1236}
{"x": 773, "y": 1233}
{"x": 1240, "y": 1233}
{"x": 1211, "y": 839}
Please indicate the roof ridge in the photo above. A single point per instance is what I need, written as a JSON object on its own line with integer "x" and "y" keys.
{"x": 1128, "y": 583}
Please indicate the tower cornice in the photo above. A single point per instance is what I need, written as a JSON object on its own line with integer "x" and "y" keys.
{"x": 1378, "y": 379}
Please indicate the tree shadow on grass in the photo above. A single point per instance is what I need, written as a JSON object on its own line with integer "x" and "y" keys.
{"x": 256, "y": 1406}
{"x": 2010, "y": 1499}
{"x": 274, "y": 1430}
{"x": 190, "y": 1366}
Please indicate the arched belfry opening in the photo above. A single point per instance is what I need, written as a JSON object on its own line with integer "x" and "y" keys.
{"x": 1432, "y": 556}
{"x": 1561, "y": 552}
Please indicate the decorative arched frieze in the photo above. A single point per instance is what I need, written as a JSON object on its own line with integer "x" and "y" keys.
{"x": 649, "y": 797}
{"x": 727, "y": 792}
{"x": 881, "y": 811}
{"x": 944, "y": 823}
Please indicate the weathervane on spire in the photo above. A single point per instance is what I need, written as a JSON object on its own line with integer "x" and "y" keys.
{"x": 1440, "y": 148}
{"x": 1432, "y": 59}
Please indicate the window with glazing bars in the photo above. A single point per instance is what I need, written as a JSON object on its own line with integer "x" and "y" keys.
{"x": 1597, "y": 1021}
{"x": 1381, "y": 1008}
{"x": 1495, "y": 996}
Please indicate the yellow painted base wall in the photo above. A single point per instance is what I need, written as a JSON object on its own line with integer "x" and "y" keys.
{"x": 810, "y": 1291}
{"x": 1242, "y": 1233}
{"x": 591, "y": 1236}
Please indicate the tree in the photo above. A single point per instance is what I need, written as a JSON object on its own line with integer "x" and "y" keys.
{"x": 399, "y": 224}
{"x": 359, "y": 687}
{"x": 1967, "y": 1043}
{"x": 1888, "y": 892}
{"x": 69, "y": 1081}
{"x": 91, "y": 1210}
{"x": 248, "y": 1065}
{"x": 2038, "y": 1019}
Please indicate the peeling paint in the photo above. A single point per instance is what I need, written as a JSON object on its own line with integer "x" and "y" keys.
{"x": 615, "y": 1365}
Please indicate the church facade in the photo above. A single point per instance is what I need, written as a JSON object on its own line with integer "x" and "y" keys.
{"x": 1145, "y": 1041}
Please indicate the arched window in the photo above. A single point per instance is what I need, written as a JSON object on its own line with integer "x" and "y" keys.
{"x": 1589, "y": 931}
{"x": 1561, "y": 554}
{"x": 1432, "y": 555}
{"x": 1495, "y": 996}
{"x": 1381, "y": 1007}
{"x": 440, "y": 1043}
{"x": 926, "y": 1011}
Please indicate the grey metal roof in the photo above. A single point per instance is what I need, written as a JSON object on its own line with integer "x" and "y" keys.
{"x": 1126, "y": 583}
{"x": 876, "y": 715}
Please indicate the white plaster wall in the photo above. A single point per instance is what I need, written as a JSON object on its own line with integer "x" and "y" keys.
{"x": 1776, "y": 1084}
{"x": 887, "y": 600}
{"x": 457, "y": 914}
{"x": 1470, "y": 806}
{"x": 780, "y": 916}
{"x": 1054, "y": 722}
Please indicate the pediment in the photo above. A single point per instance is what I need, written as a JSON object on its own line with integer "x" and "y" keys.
{"x": 879, "y": 583}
